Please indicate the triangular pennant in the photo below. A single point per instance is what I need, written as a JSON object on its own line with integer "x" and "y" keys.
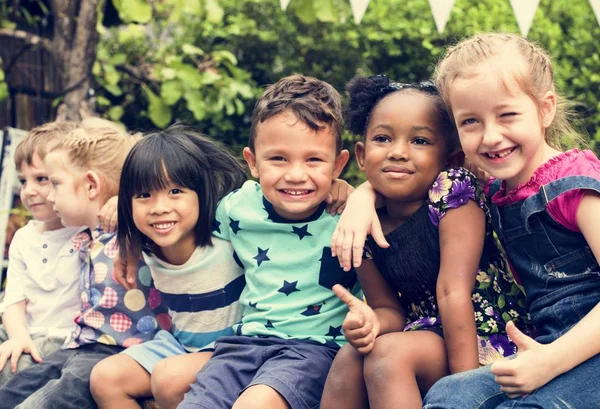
{"x": 441, "y": 12}
{"x": 359, "y": 7}
{"x": 524, "y": 12}
{"x": 596, "y": 7}
{"x": 284, "y": 4}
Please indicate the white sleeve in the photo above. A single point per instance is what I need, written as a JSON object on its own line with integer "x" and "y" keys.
{"x": 17, "y": 269}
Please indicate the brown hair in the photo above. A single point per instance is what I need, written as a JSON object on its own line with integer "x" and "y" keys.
{"x": 532, "y": 72}
{"x": 314, "y": 102}
{"x": 39, "y": 139}
{"x": 99, "y": 145}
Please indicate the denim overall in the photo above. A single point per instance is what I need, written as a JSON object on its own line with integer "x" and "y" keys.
{"x": 561, "y": 279}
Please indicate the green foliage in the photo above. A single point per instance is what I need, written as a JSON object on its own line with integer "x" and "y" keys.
{"x": 3, "y": 86}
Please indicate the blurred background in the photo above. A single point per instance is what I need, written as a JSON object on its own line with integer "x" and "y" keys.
{"x": 149, "y": 63}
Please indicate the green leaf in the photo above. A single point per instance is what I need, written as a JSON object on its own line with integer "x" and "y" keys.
{"x": 214, "y": 12}
{"x": 506, "y": 317}
{"x": 115, "y": 113}
{"x": 224, "y": 55}
{"x": 4, "y": 93}
{"x": 501, "y": 301}
{"x": 158, "y": 112}
{"x": 118, "y": 59}
{"x": 1, "y": 73}
{"x": 239, "y": 106}
{"x": 190, "y": 49}
{"x": 171, "y": 92}
{"x": 325, "y": 10}
{"x": 102, "y": 101}
{"x": 189, "y": 75}
{"x": 305, "y": 11}
{"x": 138, "y": 11}
{"x": 195, "y": 103}
{"x": 131, "y": 33}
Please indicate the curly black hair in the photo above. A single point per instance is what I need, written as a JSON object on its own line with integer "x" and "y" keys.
{"x": 366, "y": 92}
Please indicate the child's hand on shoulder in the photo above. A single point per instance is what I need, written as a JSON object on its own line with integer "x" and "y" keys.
{"x": 338, "y": 196}
{"x": 358, "y": 220}
{"x": 125, "y": 271}
{"x": 361, "y": 325}
{"x": 108, "y": 215}
{"x": 526, "y": 372}
{"x": 14, "y": 348}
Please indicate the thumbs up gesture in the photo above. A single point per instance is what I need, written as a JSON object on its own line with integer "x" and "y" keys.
{"x": 361, "y": 325}
{"x": 529, "y": 370}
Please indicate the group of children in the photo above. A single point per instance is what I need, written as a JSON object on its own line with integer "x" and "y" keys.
{"x": 217, "y": 292}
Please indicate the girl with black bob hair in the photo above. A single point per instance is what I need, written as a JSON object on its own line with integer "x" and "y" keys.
{"x": 171, "y": 183}
{"x": 441, "y": 266}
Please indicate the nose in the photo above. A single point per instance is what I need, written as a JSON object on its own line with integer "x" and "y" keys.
{"x": 160, "y": 204}
{"x": 50, "y": 197}
{"x": 295, "y": 173}
{"x": 398, "y": 150}
{"x": 492, "y": 136}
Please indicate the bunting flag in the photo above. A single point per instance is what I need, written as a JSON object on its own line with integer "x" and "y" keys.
{"x": 359, "y": 7}
{"x": 441, "y": 12}
{"x": 596, "y": 7}
{"x": 524, "y": 12}
{"x": 284, "y": 4}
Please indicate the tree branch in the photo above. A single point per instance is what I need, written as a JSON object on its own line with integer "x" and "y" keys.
{"x": 29, "y": 38}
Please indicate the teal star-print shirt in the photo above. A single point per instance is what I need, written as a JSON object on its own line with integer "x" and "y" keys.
{"x": 289, "y": 269}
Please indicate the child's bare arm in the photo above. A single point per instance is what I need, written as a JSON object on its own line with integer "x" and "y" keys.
{"x": 19, "y": 340}
{"x": 108, "y": 215}
{"x": 338, "y": 196}
{"x": 537, "y": 364}
{"x": 358, "y": 220}
{"x": 462, "y": 233}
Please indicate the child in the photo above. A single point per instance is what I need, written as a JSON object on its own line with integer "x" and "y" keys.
{"x": 43, "y": 271}
{"x": 170, "y": 185}
{"x": 291, "y": 326}
{"x": 84, "y": 169}
{"x": 398, "y": 346}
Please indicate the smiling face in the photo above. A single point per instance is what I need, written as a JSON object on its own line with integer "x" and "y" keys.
{"x": 168, "y": 217}
{"x": 404, "y": 148}
{"x": 35, "y": 188}
{"x": 501, "y": 128}
{"x": 294, "y": 164}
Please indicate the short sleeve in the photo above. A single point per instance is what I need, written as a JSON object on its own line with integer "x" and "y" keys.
{"x": 220, "y": 224}
{"x": 452, "y": 188}
{"x": 17, "y": 268}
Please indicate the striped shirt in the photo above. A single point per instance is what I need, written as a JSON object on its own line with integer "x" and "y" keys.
{"x": 202, "y": 295}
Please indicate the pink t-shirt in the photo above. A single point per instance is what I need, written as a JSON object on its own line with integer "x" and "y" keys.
{"x": 564, "y": 208}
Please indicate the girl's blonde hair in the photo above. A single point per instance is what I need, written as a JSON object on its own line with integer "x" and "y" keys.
{"x": 99, "y": 145}
{"x": 532, "y": 72}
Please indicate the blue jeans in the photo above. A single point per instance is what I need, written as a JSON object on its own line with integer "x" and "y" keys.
{"x": 477, "y": 389}
{"x": 62, "y": 380}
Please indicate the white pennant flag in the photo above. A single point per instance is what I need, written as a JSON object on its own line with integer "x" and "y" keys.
{"x": 524, "y": 12}
{"x": 359, "y": 7}
{"x": 284, "y": 4}
{"x": 441, "y": 12}
{"x": 596, "y": 7}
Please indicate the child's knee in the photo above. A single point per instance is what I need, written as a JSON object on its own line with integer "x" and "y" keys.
{"x": 345, "y": 370}
{"x": 164, "y": 382}
{"x": 104, "y": 379}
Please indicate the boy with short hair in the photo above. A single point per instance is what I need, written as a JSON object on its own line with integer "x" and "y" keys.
{"x": 292, "y": 322}
{"x": 44, "y": 267}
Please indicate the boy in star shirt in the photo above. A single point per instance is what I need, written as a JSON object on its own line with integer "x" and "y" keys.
{"x": 280, "y": 232}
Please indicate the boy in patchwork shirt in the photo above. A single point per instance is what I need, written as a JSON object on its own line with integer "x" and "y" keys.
{"x": 291, "y": 320}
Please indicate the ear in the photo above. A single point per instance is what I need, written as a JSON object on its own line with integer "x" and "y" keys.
{"x": 456, "y": 159}
{"x": 548, "y": 109}
{"x": 359, "y": 151}
{"x": 340, "y": 162}
{"x": 93, "y": 184}
{"x": 251, "y": 161}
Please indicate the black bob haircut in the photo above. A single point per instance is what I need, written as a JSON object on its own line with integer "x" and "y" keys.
{"x": 180, "y": 156}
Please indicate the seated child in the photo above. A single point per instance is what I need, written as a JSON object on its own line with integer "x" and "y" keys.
{"x": 170, "y": 186}
{"x": 84, "y": 169}
{"x": 42, "y": 292}
{"x": 439, "y": 297}
{"x": 291, "y": 320}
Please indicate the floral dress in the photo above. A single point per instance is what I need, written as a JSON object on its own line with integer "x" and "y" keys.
{"x": 412, "y": 262}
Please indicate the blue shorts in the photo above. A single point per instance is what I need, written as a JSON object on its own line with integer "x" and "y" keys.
{"x": 162, "y": 346}
{"x": 296, "y": 369}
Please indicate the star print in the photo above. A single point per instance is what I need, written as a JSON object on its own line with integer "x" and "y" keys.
{"x": 269, "y": 324}
{"x": 216, "y": 226}
{"x": 252, "y": 304}
{"x": 288, "y": 287}
{"x": 235, "y": 225}
{"x": 312, "y": 310}
{"x": 261, "y": 256}
{"x": 334, "y": 332}
{"x": 302, "y": 232}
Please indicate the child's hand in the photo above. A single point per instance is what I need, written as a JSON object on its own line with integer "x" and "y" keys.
{"x": 125, "y": 271}
{"x": 359, "y": 219}
{"x": 14, "y": 348}
{"x": 529, "y": 370}
{"x": 337, "y": 197}
{"x": 361, "y": 325}
{"x": 108, "y": 215}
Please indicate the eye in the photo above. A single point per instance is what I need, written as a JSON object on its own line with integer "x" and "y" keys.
{"x": 41, "y": 179}
{"x": 508, "y": 114}
{"x": 315, "y": 159}
{"x": 277, "y": 158}
{"x": 175, "y": 191}
{"x": 421, "y": 141}
{"x": 468, "y": 121}
{"x": 143, "y": 195}
{"x": 381, "y": 138}
{"x": 22, "y": 181}
{"x": 54, "y": 182}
